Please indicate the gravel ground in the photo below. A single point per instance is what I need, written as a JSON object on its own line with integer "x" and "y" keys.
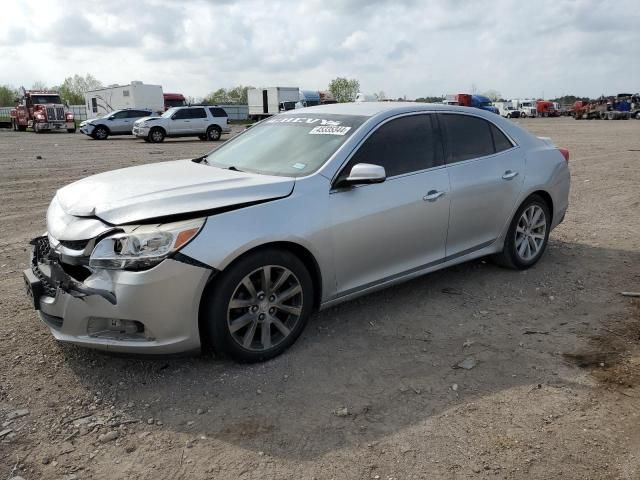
{"x": 369, "y": 390}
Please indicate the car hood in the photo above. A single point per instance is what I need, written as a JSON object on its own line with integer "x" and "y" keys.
{"x": 144, "y": 119}
{"x": 153, "y": 191}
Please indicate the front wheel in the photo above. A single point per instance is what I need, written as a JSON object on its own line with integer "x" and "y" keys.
{"x": 156, "y": 135}
{"x": 528, "y": 235}
{"x": 258, "y": 308}
{"x": 100, "y": 133}
{"x": 71, "y": 130}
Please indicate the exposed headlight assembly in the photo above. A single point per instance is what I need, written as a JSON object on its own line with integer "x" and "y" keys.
{"x": 143, "y": 247}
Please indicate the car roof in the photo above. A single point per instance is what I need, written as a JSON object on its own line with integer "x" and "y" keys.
{"x": 371, "y": 109}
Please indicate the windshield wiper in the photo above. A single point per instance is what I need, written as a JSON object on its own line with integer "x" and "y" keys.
{"x": 235, "y": 169}
{"x": 200, "y": 159}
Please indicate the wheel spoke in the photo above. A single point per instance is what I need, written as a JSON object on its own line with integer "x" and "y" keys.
{"x": 280, "y": 326}
{"x": 293, "y": 310}
{"x": 265, "y": 335}
{"x": 523, "y": 247}
{"x": 287, "y": 294}
{"x": 241, "y": 322}
{"x": 533, "y": 248}
{"x": 240, "y": 303}
{"x": 536, "y": 215}
{"x": 249, "y": 334}
{"x": 519, "y": 229}
{"x": 248, "y": 284}
{"x": 281, "y": 279}
{"x": 266, "y": 279}
{"x": 540, "y": 224}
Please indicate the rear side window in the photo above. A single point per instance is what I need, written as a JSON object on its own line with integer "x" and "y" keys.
{"x": 218, "y": 112}
{"x": 404, "y": 145}
{"x": 500, "y": 140}
{"x": 197, "y": 113}
{"x": 467, "y": 137}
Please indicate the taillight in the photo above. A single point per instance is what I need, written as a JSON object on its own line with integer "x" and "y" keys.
{"x": 228, "y": 122}
{"x": 565, "y": 153}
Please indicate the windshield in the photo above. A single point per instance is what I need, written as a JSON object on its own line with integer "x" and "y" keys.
{"x": 287, "y": 145}
{"x": 45, "y": 99}
{"x": 169, "y": 112}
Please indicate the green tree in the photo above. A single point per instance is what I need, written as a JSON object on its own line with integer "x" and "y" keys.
{"x": 39, "y": 85}
{"x": 493, "y": 95}
{"x": 237, "y": 95}
{"x": 73, "y": 88}
{"x": 344, "y": 89}
{"x": 430, "y": 99}
{"x": 7, "y": 96}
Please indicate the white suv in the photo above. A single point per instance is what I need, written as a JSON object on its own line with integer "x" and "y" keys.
{"x": 204, "y": 122}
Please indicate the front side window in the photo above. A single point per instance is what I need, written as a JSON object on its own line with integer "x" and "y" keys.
{"x": 180, "y": 114}
{"x": 403, "y": 145}
{"x": 467, "y": 137}
{"x": 287, "y": 145}
{"x": 138, "y": 113}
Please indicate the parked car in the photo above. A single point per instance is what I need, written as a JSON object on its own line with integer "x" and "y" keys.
{"x": 202, "y": 121}
{"x": 235, "y": 249}
{"x": 118, "y": 122}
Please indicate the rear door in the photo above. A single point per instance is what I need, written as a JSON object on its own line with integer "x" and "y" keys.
{"x": 486, "y": 170}
{"x": 198, "y": 121}
{"x": 384, "y": 231}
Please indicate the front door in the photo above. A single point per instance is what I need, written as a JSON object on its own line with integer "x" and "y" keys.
{"x": 384, "y": 231}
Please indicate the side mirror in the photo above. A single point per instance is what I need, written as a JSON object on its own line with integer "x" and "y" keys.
{"x": 364, "y": 174}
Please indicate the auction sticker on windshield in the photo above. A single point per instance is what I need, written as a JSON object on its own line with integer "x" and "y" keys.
{"x": 328, "y": 130}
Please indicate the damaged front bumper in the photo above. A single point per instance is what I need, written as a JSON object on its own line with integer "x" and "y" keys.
{"x": 150, "y": 311}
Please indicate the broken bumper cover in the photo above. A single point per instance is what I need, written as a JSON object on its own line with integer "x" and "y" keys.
{"x": 151, "y": 311}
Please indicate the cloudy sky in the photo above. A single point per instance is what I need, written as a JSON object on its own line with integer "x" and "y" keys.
{"x": 402, "y": 47}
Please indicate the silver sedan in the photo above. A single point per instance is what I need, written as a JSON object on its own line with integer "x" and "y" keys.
{"x": 234, "y": 250}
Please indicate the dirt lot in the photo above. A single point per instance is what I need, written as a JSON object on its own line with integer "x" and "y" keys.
{"x": 369, "y": 390}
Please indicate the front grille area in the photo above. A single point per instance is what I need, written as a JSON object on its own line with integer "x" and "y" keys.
{"x": 41, "y": 250}
{"x": 55, "y": 113}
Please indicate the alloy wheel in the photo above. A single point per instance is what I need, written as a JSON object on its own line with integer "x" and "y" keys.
{"x": 531, "y": 232}
{"x": 265, "y": 308}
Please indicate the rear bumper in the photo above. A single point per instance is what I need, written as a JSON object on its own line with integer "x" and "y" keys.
{"x": 152, "y": 311}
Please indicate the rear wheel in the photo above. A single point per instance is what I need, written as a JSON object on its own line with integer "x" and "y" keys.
{"x": 213, "y": 133}
{"x": 22, "y": 128}
{"x": 156, "y": 135}
{"x": 527, "y": 236}
{"x": 100, "y": 133}
{"x": 259, "y": 307}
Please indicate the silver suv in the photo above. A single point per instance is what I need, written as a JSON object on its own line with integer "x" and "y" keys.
{"x": 204, "y": 122}
{"x": 118, "y": 122}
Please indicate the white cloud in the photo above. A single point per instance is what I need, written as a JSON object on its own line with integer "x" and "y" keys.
{"x": 404, "y": 47}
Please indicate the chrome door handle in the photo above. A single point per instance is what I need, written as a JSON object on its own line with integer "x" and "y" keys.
{"x": 508, "y": 175}
{"x": 432, "y": 196}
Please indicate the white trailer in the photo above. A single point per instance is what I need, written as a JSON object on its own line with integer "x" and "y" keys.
{"x": 264, "y": 102}
{"x": 134, "y": 95}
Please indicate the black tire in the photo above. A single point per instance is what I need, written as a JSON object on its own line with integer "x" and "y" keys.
{"x": 213, "y": 133}
{"x": 156, "y": 135}
{"x": 22, "y": 128}
{"x": 216, "y": 318}
{"x": 100, "y": 133}
{"x": 71, "y": 130}
{"x": 510, "y": 257}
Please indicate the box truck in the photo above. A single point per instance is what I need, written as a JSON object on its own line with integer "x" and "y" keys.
{"x": 264, "y": 102}
{"x": 117, "y": 97}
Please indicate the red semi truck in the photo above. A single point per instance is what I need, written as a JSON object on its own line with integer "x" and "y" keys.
{"x": 546, "y": 108}
{"x": 41, "y": 110}
{"x": 173, "y": 100}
